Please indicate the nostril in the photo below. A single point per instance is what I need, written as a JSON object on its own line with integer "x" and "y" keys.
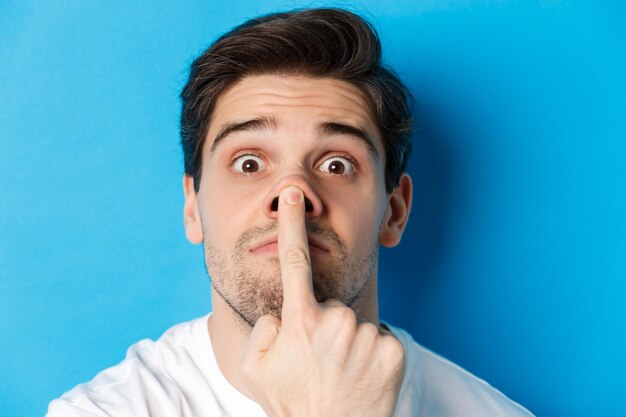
{"x": 308, "y": 206}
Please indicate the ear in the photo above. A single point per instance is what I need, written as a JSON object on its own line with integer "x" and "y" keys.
{"x": 398, "y": 208}
{"x": 191, "y": 212}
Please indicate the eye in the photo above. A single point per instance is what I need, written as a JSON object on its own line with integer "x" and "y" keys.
{"x": 248, "y": 164}
{"x": 337, "y": 165}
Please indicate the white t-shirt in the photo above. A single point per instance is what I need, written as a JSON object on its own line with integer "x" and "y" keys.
{"x": 178, "y": 376}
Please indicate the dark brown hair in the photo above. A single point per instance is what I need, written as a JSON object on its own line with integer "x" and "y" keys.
{"x": 331, "y": 43}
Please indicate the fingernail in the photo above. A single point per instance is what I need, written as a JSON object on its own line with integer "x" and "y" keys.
{"x": 293, "y": 195}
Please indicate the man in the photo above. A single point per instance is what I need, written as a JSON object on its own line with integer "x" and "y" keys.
{"x": 295, "y": 140}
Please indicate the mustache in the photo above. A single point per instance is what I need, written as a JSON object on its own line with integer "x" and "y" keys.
{"x": 324, "y": 232}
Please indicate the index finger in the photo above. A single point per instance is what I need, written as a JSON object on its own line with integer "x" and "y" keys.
{"x": 293, "y": 252}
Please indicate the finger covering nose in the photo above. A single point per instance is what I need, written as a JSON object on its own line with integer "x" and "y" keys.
{"x": 276, "y": 196}
{"x": 292, "y": 195}
{"x": 308, "y": 206}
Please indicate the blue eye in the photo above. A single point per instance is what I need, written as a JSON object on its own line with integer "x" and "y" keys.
{"x": 249, "y": 164}
{"x": 337, "y": 165}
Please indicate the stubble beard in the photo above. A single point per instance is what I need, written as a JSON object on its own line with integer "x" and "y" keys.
{"x": 252, "y": 287}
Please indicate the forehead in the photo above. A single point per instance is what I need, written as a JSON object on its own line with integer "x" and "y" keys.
{"x": 295, "y": 101}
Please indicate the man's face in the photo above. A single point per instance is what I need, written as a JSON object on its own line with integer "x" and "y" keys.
{"x": 271, "y": 131}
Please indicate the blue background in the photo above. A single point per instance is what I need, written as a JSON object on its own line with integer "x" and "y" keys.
{"x": 513, "y": 265}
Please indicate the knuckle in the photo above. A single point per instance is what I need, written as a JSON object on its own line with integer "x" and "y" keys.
{"x": 297, "y": 256}
{"x": 393, "y": 349}
{"x": 369, "y": 330}
{"x": 346, "y": 315}
{"x": 368, "y": 335}
{"x": 341, "y": 318}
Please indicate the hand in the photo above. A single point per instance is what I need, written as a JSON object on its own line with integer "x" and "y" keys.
{"x": 319, "y": 361}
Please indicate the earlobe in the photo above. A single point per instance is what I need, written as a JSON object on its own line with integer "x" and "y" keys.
{"x": 397, "y": 215}
{"x": 191, "y": 212}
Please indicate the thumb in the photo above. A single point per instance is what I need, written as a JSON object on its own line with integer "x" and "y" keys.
{"x": 261, "y": 339}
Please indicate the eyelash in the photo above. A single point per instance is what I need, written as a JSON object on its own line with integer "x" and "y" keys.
{"x": 340, "y": 155}
{"x": 345, "y": 156}
{"x": 231, "y": 164}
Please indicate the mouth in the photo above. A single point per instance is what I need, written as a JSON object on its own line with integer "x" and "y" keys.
{"x": 270, "y": 245}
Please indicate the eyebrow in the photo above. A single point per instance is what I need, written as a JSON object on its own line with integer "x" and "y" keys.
{"x": 334, "y": 128}
{"x": 325, "y": 128}
{"x": 257, "y": 124}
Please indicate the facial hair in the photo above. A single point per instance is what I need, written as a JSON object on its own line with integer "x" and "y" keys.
{"x": 253, "y": 287}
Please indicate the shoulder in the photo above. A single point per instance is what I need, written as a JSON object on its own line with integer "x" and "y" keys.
{"x": 148, "y": 375}
{"x": 434, "y": 386}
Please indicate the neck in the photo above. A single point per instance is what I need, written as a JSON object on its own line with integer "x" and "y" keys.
{"x": 229, "y": 337}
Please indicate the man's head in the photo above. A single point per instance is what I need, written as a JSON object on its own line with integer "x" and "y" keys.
{"x": 295, "y": 99}
{"x": 317, "y": 43}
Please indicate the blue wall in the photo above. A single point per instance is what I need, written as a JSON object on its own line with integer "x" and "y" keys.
{"x": 514, "y": 261}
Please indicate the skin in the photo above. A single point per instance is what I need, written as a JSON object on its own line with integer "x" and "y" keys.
{"x": 267, "y": 301}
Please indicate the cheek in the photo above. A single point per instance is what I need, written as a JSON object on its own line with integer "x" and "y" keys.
{"x": 227, "y": 211}
{"x": 354, "y": 214}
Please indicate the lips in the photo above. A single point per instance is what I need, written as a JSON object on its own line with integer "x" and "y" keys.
{"x": 272, "y": 242}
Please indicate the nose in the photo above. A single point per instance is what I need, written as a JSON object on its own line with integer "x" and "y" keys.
{"x": 312, "y": 203}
